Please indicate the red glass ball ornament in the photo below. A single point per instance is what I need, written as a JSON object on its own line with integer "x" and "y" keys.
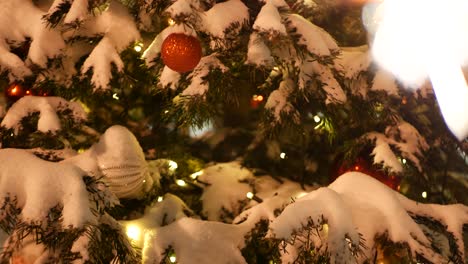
{"x": 181, "y": 52}
{"x": 366, "y": 167}
{"x": 15, "y": 91}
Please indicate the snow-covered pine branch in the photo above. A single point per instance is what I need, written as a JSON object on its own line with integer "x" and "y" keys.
{"x": 357, "y": 205}
{"x": 405, "y": 138}
{"x": 47, "y": 107}
{"x": 119, "y": 30}
{"x": 39, "y": 185}
{"x": 21, "y": 19}
{"x": 356, "y": 63}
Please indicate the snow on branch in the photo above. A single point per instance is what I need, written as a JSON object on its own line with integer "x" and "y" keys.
{"x": 258, "y": 52}
{"x": 354, "y": 62}
{"x": 228, "y": 186}
{"x": 39, "y": 185}
{"x": 269, "y": 20}
{"x": 21, "y": 19}
{"x": 405, "y": 138}
{"x": 278, "y": 100}
{"x": 222, "y": 15}
{"x": 196, "y": 241}
{"x": 199, "y": 85}
{"x": 119, "y": 30}
{"x": 357, "y": 209}
{"x": 47, "y": 108}
{"x": 317, "y": 40}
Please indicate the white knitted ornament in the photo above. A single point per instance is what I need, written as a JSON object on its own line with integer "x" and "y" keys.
{"x": 121, "y": 160}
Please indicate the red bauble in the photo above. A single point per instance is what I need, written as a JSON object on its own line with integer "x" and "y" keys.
{"x": 181, "y": 52}
{"x": 15, "y": 91}
{"x": 366, "y": 167}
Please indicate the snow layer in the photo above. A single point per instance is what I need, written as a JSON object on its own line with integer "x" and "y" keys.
{"x": 358, "y": 205}
{"x": 169, "y": 78}
{"x": 169, "y": 210}
{"x": 384, "y": 81}
{"x": 20, "y": 19}
{"x": 258, "y": 52}
{"x": 317, "y": 40}
{"x": 278, "y": 99}
{"x": 405, "y": 138}
{"x": 222, "y": 15}
{"x": 269, "y": 20}
{"x": 198, "y": 85}
{"x": 196, "y": 241}
{"x": 228, "y": 186}
{"x": 275, "y": 195}
{"x": 119, "y": 31}
{"x": 40, "y": 185}
{"x": 47, "y": 108}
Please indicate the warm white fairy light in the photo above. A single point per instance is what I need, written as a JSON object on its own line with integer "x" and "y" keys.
{"x": 317, "y": 119}
{"x": 403, "y": 161}
{"x": 171, "y": 22}
{"x": 195, "y": 175}
{"x": 115, "y": 96}
{"x": 424, "y": 194}
{"x": 283, "y": 155}
{"x": 133, "y": 232}
{"x": 138, "y": 48}
{"x": 160, "y": 199}
{"x": 181, "y": 183}
{"x": 172, "y": 165}
{"x": 172, "y": 259}
{"x": 250, "y": 195}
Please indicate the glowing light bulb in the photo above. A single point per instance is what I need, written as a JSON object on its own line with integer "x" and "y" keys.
{"x": 181, "y": 183}
{"x": 317, "y": 119}
{"x": 403, "y": 161}
{"x": 160, "y": 199}
{"x": 172, "y": 259}
{"x": 250, "y": 195}
{"x": 115, "y": 96}
{"x": 138, "y": 48}
{"x": 171, "y": 22}
{"x": 283, "y": 155}
{"x": 172, "y": 165}
{"x": 133, "y": 232}
{"x": 424, "y": 194}
{"x": 196, "y": 174}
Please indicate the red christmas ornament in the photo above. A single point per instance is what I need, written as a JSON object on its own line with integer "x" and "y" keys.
{"x": 181, "y": 52}
{"x": 366, "y": 167}
{"x": 15, "y": 91}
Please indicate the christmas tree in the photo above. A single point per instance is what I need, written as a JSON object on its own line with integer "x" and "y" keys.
{"x": 203, "y": 131}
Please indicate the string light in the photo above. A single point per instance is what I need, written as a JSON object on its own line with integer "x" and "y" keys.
{"x": 283, "y": 155}
{"x": 172, "y": 165}
{"x": 317, "y": 119}
{"x": 171, "y": 22}
{"x": 257, "y": 98}
{"x": 252, "y": 196}
{"x": 181, "y": 183}
{"x": 115, "y": 96}
{"x": 138, "y": 47}
{"x": 133, "y": 232}
{"x": 424, "y": 194}
{"x": 196, "y": 174}
{"x": 160, "y": 199}
{"x": 403, "y": 161}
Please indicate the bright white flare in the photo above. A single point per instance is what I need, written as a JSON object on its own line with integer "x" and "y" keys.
{"x": 417, "y": 39}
